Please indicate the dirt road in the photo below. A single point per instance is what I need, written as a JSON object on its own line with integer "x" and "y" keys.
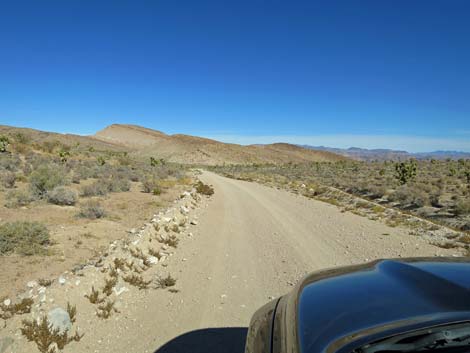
{"x": 251, "y": 243}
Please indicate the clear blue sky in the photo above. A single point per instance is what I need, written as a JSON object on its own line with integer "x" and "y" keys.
{"x": 341, "y": 73}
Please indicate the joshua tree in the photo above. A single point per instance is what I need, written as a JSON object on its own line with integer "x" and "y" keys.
{"x": 4, "y": 142}
{"x": 405, "y": 171}
{"x": 64, "y": 155}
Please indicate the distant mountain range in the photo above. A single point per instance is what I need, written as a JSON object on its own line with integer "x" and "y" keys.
{"x": 364, "y": 154}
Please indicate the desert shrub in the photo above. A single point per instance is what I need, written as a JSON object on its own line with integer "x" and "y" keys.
{"x": 97, "y": 188}
{"x": 204, "y": 189}
{"x": 46, "y": 178}
{"x": 25, "y": 238}
{"x": 92, "y": 210}
{"x": 462, "y": 208}
{"x": 8, "y": 180}
{"x": 151, "y": 185}
{"x": 18, "y": 198}
{"x": 63, "y": 196}
{"x": 9, "y": 162}
{"x": 117, "y": 184}
{"x": 408, "y": 195}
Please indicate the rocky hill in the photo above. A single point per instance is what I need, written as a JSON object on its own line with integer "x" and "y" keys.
{"x": 190, "y": 149}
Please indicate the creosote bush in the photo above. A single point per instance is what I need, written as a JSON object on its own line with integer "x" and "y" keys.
{"x": 62, "y": 196}
{"x": 25, "y": 238}
{"x": 18, "y": 198}
{"x": 92, "y": 210}
{"x": 46, "y": 178}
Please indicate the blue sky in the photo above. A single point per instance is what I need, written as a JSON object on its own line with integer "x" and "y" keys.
{"x": 392, "y": 74}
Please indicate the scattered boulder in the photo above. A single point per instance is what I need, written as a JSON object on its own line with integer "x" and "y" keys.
{"x": 32, "y": 284}
{"x": 6, "y": 342}
{"x": 59, "y": 319}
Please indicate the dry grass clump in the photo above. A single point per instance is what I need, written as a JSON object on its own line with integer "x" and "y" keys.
{"x": 23, "y": 307}
{"x": 204, "y": 189}
{"x": 25, "y": 238}
{"x": 137, "y": 281}
{"x": 46, "y": 338}
{"x": 119, "y": 264}
{"x": 109, "y": 284}
{"x": 72, "y": 311}
{"x": 106, "y": 309}
{"x": 94, "y": 296}
{"x": 43, "y": 282}
{"x": 172, "y": 240}
{"x": 155, "y": 253}
{"x": 165, "y": 282}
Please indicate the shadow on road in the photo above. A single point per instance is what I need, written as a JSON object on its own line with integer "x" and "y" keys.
{"x": 211, "y": 340}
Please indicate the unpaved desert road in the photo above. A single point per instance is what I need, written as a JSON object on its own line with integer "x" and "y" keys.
{"x": 251, "y": 243}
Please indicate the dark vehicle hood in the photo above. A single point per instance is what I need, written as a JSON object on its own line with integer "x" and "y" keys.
{"x": 338, "y": 306}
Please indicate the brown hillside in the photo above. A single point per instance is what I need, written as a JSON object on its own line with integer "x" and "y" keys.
{"x": 39, "y": 137}
{"x": 189, "y": 149}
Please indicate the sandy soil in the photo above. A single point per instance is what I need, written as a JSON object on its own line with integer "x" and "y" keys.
{"x": 75, "y": 239}
{"x": 251, "y": 243}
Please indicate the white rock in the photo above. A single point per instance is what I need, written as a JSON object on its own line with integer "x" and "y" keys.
{"x": 41, "y": 290}
{"x": 7, "y": 302}
{"x": 77, "y": 282}
{"x": 166, "y": 219}
{"x": 153, "y": 260}
{"x": 184, "y": 210}
{"x": 133, "y": 231}
{"x": 119, "y": 290}
{"x": 42, "y": 298}
{"x": 194, "y": 222}
{"x": 62, "y": 280}
{"x": 32, "y": 284}
{"x": 59, "y": 319}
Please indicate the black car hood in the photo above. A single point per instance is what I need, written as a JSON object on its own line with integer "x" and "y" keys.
{"x": 337, "y": 306}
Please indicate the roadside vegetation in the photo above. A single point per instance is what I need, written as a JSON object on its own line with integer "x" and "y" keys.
{"x": 52, "y": 194}
{"x": 433, "y": 189}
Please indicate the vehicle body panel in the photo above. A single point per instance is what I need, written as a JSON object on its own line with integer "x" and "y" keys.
{"x": 339, "y": 309}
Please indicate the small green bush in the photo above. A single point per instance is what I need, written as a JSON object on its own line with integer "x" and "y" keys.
{"x": 46, "y": 178}
{"x": 62, "y": 196}
{"x": 92, "y": 210}
{"x": 204, "y": 189}
{"x": 25, "y": 238}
